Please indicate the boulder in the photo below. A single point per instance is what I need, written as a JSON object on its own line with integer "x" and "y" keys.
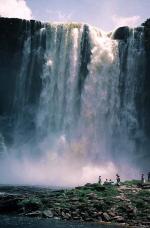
{"x": 106, "y": 217}
{"x": 119, "y": 219}
{"x": 121, "y": 33}
{"x": 48, "y": 214}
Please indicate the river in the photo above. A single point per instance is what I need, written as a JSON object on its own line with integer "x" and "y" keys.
{"x": 26, "y": 222}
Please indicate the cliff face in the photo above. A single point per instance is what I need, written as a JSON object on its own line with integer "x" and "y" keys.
{"x": 142, "y": 98}
{"x": 62, "y": 76}
{"x": 13, "y": 34}
{"x": 146, "y": 95}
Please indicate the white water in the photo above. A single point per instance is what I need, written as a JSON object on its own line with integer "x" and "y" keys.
{"x": 77, "y": 148}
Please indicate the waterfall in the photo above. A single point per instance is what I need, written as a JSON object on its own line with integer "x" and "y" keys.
{"x": 3, "y": 148}
{"x": 132, "y": 72}
{"x": 84, "y": 112}
{"x": 86, "y": 91}
{"x": 59, "y": 79}
{"x": 78, "y": 99}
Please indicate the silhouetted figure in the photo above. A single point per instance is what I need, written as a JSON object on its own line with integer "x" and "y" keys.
{"x": 148, "y": 176}
{"x": 99, "y": 180}
{"x": 142, "y": 179}
{"x": 118, "y": 179}
{"x": 111, "y": 182}
{"x": 106, "y": 182}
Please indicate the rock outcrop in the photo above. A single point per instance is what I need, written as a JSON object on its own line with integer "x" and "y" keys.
{"x": 127, "y": 204}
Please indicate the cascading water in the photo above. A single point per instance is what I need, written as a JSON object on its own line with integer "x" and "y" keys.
{"x": 76, "y": 105}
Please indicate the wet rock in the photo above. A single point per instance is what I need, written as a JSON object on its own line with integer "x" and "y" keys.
{"x": 88, "y": 185}
{"x": 56, "y": 218}
{"x": 89, "y": 219}
{"x": 121, "y": 33}
{"x": 74, "y": 214}
{"x": 146, "y": 223}
{"x": 56, "y": 204}
{"x": 125, "y": 207}
{"x": 76, "y": 218}
{"x": 74, "y": 199}
{"x": 94, "y": 214}
{"x": 106, "y": 217}
{"x": 84, "y": 214}
{"x": 34, "y": 214}
{"x": 146, "y": 23}
{"x": 66, "y": 215}
{"x": 119, "y": 219}
{"x": 48, "y": 214}
{"x": 112, "y": 214}
{"x": 66, "y": 210}
{"x": 131, "y": 210}
{"x": 92, "y": 195}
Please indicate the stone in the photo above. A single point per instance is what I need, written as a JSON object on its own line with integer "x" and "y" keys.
{"x": 57, "y": 204}
{"x": 119, "y": 219}
{"x": 76, "y": 218}
{"x": 92, "y": 195}
{"x": 112, "y": 214}
{"x": 74, "y": 199}
{"x": 34, "y": 214}
{"x": 56, "y": 218}
{"x": 66, "y": 215}
{"x": 48, "y": 214}
{"x": 121, "y": 33}
{"x": 105, "y": 217}
{"x": 88, "y": 219}
{"x": 94, "y": 214}
{"x": 74, "y": 214}
{"x": 146, "y": 23}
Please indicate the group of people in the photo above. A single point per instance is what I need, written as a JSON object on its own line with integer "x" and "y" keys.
{"x": 110, "y": 182}
{"x": 143, "y": 178}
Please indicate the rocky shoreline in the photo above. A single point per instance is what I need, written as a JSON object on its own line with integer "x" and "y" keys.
{"x": 127, "y": 204}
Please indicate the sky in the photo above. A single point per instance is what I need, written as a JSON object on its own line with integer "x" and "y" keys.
{"x": 105, "y": 14}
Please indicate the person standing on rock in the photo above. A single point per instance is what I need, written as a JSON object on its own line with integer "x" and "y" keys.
{"x": 148, "y": 176}
{"x": 118, "y": 179}
{"x": 100, "y": 180}
{"x": 142, "y": 179}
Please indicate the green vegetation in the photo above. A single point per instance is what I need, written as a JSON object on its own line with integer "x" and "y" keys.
{"x": 32, "y": 203}
{"x": 127, "y": 203}
{"x": 139, "y": 203}
{"x": 98, "y": 190}
{"x": 143, "y": 194}
{"x": 131, "y": 182}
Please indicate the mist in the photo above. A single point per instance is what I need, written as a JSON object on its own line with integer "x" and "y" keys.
{"x": 67, "y": 164}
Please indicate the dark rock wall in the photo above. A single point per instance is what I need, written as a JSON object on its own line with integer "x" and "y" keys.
{"x": 146, "y": 95}
{"x": 13, "y": 32}
{"x": 142, "y": 93}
